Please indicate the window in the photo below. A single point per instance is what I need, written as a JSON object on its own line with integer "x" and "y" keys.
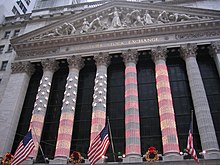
{"x": 16, "y": 32}
{"x": 4, "y": 65}
{"x": 0, "y": 81}
{"x": 28, "y": 2}
{"x": 7, "y": 34}
{"x": 15, "y": 11}
{"x": 9, "y": 48}
{"x": 21, "y": 5}
{"x": 1, "y": 49}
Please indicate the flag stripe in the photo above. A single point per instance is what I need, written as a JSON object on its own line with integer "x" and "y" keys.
{"x": 99, "y": 146}
{"x": 25, "y": 147}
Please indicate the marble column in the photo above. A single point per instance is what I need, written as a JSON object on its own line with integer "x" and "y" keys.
{"x": 68, "y": 111}
{"x": 99, "y": 96}
{"x": 132, "y": 120}
{"x": 215, "y": 53}
{"x": 165, "y": 103}
{"x": 40, "y": 106}
{"x": 12, "y": 102}
{"x": 200, "y": 102}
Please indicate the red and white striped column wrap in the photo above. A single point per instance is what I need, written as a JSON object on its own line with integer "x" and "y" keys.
{"x": 166, "y": 111}
{"x": 99, "y": 96}
{"x": 40, "y": 106}
{"x": 132, "y": 122}
{"x": 68, "y": 109}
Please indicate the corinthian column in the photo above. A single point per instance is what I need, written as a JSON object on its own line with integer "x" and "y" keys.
{"x": 99, "y": 96}
{"x": 40, "y": 106}
{"x": 215, "y": 53}
{"x": 68, "y": 111}
{"x": 200, "y": 102}
{"x": 132, "y": 121}
{"x": 12, "y": 102}
{"x": 165, "y": 102}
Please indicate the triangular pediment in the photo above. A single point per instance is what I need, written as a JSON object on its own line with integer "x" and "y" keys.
{"x": 116, "y": 16}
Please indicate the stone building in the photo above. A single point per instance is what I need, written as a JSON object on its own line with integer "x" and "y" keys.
{"x": 143, "y": 65}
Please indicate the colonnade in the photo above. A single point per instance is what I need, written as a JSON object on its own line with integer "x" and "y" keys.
{"x": 132, "y": 124}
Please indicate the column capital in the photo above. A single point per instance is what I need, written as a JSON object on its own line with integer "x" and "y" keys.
{"x": 159, "y": 53}
{"x": 130, "y": 55}
{"x": 214, "y": 48}
{"x": 188, "y": 50}
{"x": 21, "y": 67}
{"x": 49, "y": 65}
{"x": 102, "y": 59}
{"x": 75, "y": 62}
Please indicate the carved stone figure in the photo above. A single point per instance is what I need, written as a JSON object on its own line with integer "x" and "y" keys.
{"x": 65, "y": 29}
{"x": 116, "y": 22}
{"x": 181, "y": 17}
{"x": 85, "y": 26}
{"x": 134, "y": 18}
{"x": 163, "y": 17}
{"x": 97, "y": 24}
{"x": 147, "y": 18}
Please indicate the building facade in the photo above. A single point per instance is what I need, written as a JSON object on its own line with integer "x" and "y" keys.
{"x": 144, "y": 66}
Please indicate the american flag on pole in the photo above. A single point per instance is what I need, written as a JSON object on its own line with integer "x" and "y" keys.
{"x": 190, "y": 149}
{"x": 24, "y": 149}
{"x": 99, "y": 146}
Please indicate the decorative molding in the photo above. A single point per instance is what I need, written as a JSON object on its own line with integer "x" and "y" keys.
{"x": 102, "y": 59}
{"x": 130, "y": 56}
{"x": 195, "y": 35}
{"x": 75, "y": 62}
{"x": 159, "y": 53}
{"x": 188, "y": 50}
{"x": 21, "y": 67}
{"x": 214, "y": 48}
{"x": 49, "y": 65}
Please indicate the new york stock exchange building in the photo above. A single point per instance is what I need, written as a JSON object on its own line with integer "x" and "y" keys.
{"x": 145, "y": 66}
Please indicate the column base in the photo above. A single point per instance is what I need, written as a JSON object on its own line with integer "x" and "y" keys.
{"x": 59, "y": 160}
{"x": 131, "y": 158}
{"x": 172, "y": 156}
{"x": 28, "y": 161}
{"x": 212, "y": 154}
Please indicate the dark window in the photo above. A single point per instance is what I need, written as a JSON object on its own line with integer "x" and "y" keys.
{"x": 28, "y": 2}
{"x": 51, "y": 122}
{"x": 4, "y": 65}
{"x": 16, "y": 32}
{"x": 15, "y": 11}
{"x": 83, "y": 113}
{"x": 211, "y": 83}
{"x": 149, "y": 112}
{"x": 7, "y": 34}
{"x": 9, "y": 48}
{"x": 182, "y": 100}
{"x": 1, "y": 48}
{"x": 21, "y": 5}
{"x": 0, "y": 81}
{"x": 28, "y": 105}
{"x": 115, "y": 106}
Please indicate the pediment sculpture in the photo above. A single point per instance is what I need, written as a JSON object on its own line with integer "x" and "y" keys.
{"x": 118, "y": 18}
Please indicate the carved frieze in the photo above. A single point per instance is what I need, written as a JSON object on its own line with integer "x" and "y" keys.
{"x": 102, "y": 59}
{"x": 21, "y": 67}
{"x": 188, "y": 50}
{"x": 159, "y": 53}
{"x": 75, "y": 62}
{"x": 130, "y": 56}
{"x": 117, "y": 18}
{"x": 49, "y": 65}
{"x": 195, "y": 35}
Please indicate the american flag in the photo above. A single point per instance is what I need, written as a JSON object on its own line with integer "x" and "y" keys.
{"x": 24, "y": 149}
{"x": 99, "y": 146}
{"x": 190, "y": 149}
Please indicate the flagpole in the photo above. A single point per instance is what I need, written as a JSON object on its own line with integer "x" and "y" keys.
{"x": 39, "y": 144}
{"x": 110, "y": 133}
{"x": 192, "y": 120}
